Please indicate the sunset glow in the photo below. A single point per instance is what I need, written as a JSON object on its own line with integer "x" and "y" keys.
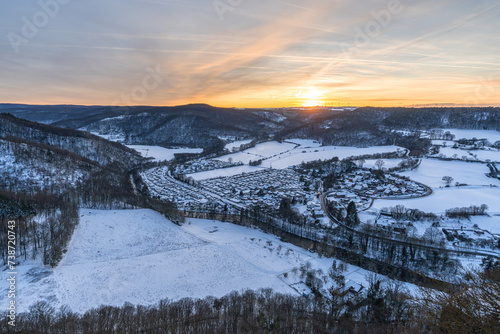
{"x": 311, "y": 98}
{"x": 253, "y": 53}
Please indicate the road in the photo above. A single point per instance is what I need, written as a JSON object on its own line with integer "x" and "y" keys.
{"x": 456, "y": 250}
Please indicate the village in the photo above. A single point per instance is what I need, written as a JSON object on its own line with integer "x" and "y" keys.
{"x": 267, "y": 187}
{"x": 362, "y": 187}
{"x": 185, "y": 186}
{"x": 186, "y": 197}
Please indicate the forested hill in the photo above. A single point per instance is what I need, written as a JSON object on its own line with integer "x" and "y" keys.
{"x": 458, "y": 118}
{"x": 201, "y": 125}
{"x": 36, "y": 156}
{"x": 195, "y": 125}
{"x": 379, "y": 126}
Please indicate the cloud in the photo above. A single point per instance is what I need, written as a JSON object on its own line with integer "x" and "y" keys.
{"x": 261, "y": 53}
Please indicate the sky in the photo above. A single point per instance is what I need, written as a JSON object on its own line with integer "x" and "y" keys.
{"x": 250, "y": 53}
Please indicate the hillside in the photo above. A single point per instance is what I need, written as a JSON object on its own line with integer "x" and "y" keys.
{"x": 38, "y": 157}
{"x": 202, "y": 258}
{"x": 192, "y": 125}
{"x": 204, "y": 126}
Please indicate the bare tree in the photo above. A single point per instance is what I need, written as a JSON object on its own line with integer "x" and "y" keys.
{"x": 447, "y": 180}
{"x": 379, "y": 163}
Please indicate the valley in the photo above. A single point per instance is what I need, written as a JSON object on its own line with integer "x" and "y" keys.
{"x": 272, "y": 204}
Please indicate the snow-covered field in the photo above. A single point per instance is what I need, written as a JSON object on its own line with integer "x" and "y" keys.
{"x": 231, "y": 171}
{"x": 161, "y": 153}
{"x": 431, "y": 171}
{"x": 491, "y": 135}
{"x": 302, "y": 154}
{"x": 286, "y": 154}
{"x": 447, "y": 198}
{"x": 479, "y": 155}
{"x": 305, "y": 142}
{"x": 260, "y": 151}
{"x": 388, "y": 163}
{"x": 138, "y": 256}
{"x": 491, "y": 223}
{"x": 236, "y": 144}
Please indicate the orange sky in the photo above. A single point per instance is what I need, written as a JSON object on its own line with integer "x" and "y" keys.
{"x": 252, "y": 54}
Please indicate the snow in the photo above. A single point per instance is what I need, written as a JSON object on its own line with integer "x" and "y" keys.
{"x": 287, "y": 154}
{"x": 260, "y": 151}
{"x": 441, "y": 142}
{"x": 431, "y": 171}
{"x": 161, "y": 153}
{"x": 224, "y": 172}
{"x": 236, "y": 144}
{"x": 447, "y": 198}
{"x": 388, "y": 163}
{"x": 305, "y": 142}
{"x": 479, "y": 155}
{"x": 491, "y": 135}
{"x": 299, "y": 155}
{"x": 480, "y": 189}
{"x": 489, "y": 223}
{"x": 140, "y": 257}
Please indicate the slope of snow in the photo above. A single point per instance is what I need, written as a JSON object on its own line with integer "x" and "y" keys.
{"x": 287, "y": 154}
{"x": 161, "y": 153}
{"x": 138, "y": 256}
{"x": 305, "y": 143}
{"x": 260, "y": 151}
{"x": 299, "y": 155}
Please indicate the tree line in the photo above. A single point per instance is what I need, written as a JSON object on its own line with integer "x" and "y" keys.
{"x": 385, "y": 307}
{"x": 44, "y": 226}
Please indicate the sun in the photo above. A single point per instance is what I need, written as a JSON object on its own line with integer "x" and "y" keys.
{"x": 311, "y": 97}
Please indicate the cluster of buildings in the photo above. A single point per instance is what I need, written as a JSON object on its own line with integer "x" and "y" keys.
{"x": 267, "y": 187}
{"x": 384, "y": 221}
{"x": 471, "y": 237}
{"x": 342, "y": 198}
{"x": 187, "y": 197}
{"x": 365, "y": 184}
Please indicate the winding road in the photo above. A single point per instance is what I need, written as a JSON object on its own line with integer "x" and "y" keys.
{"x": 456, "y": 250}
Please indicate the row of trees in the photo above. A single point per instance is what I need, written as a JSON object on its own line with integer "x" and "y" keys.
{"x": 44, "y": 225}
{"x": 467, "y": 212}
{"x": 400, "y": 213}
{"x": 385, "y": 307}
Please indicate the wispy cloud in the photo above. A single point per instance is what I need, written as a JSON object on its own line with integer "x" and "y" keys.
{"x": 261, "y": 54}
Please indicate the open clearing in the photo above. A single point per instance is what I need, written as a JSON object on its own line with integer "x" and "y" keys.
{"x": 138, "y": 256}
{"x": 431, "y": 171}
{"x": 286, "y": 154}
{"x": 447, "y": 198}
